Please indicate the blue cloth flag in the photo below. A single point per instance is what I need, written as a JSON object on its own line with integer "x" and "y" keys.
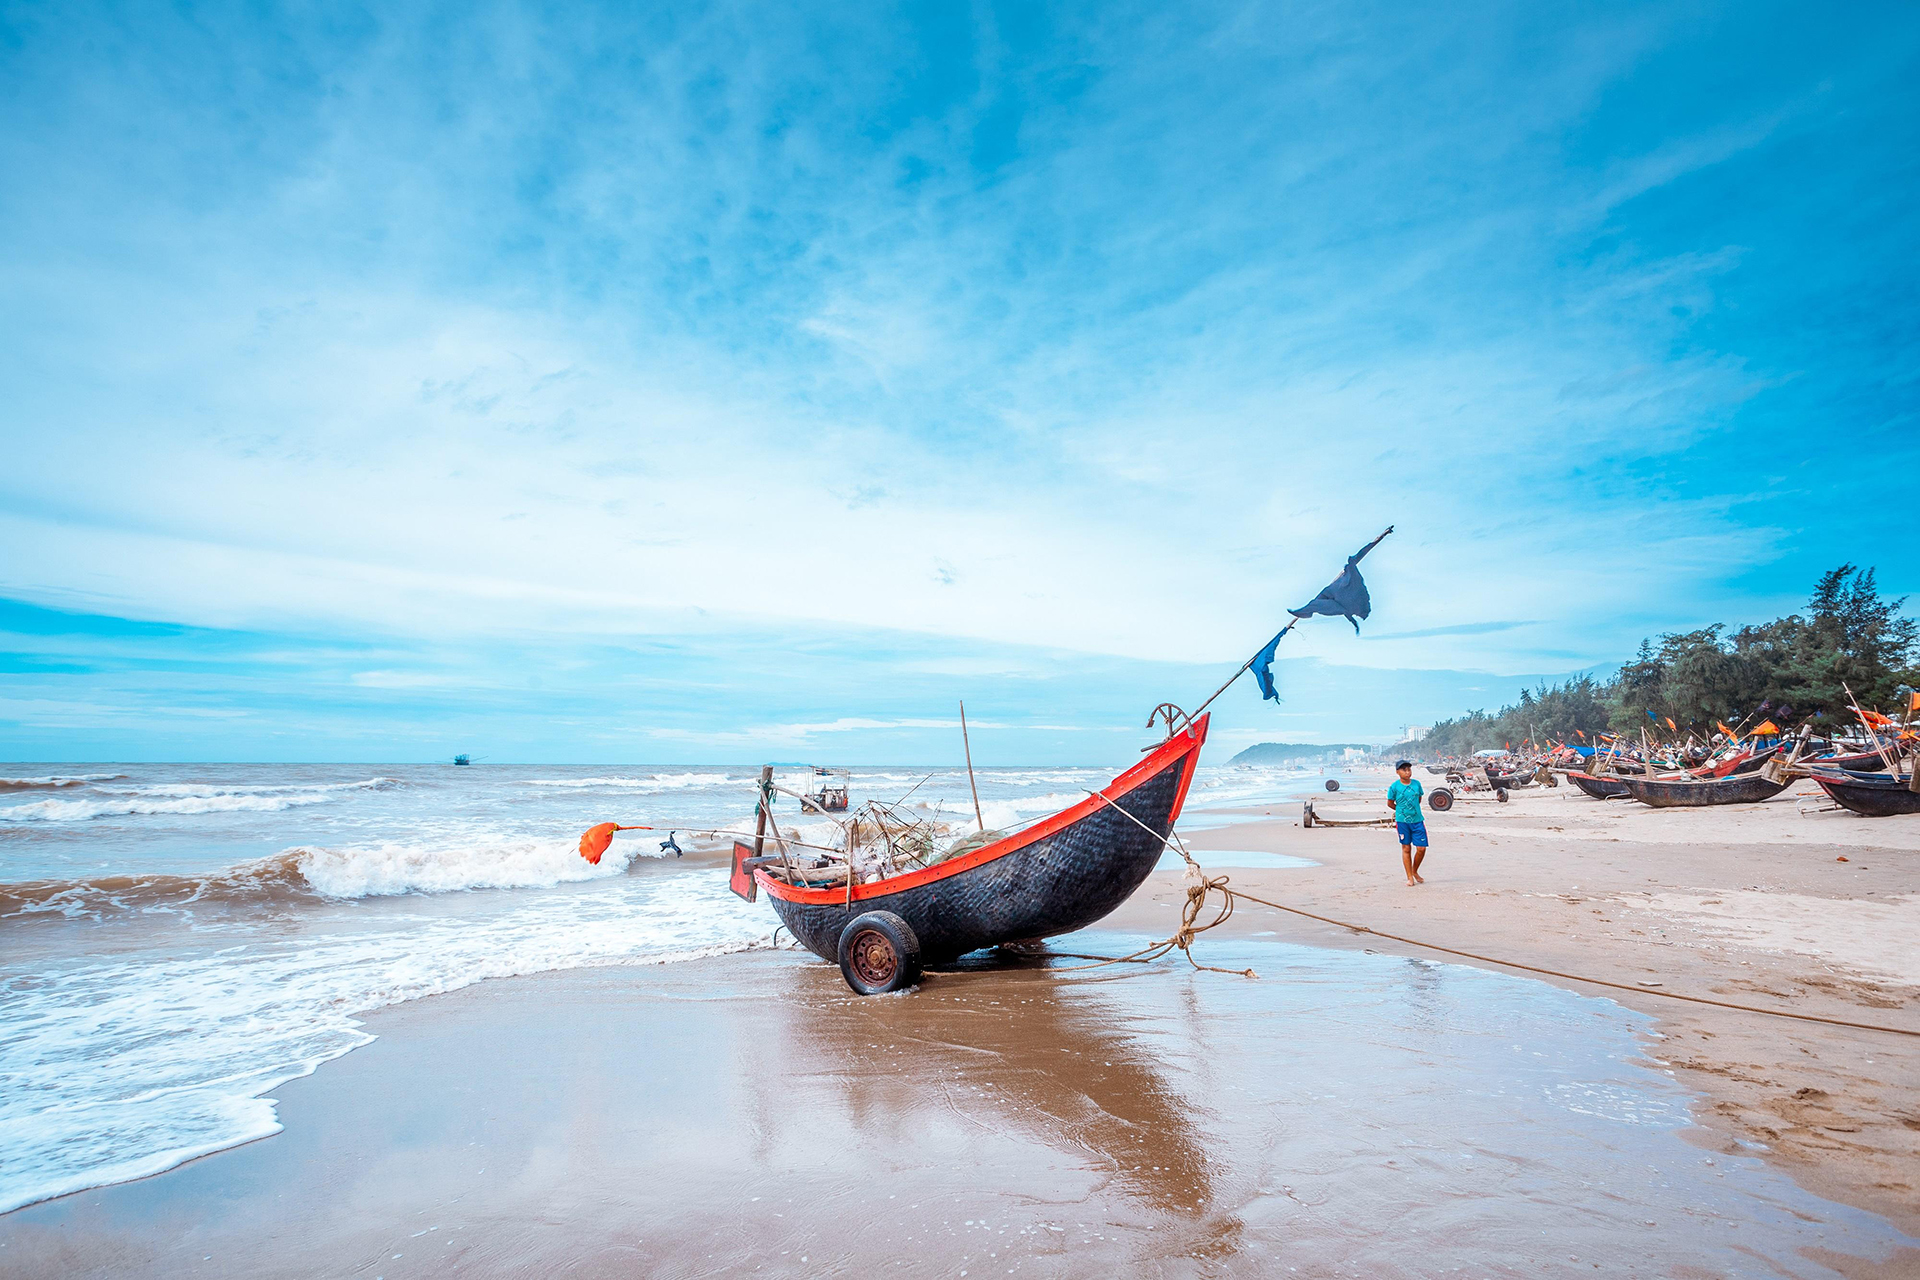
{"x": 1263, "y": 669}
{"x": 1346, "y": 595}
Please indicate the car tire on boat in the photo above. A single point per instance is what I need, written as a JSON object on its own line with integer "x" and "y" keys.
{"x": 879, "y": 953}
{"x": 1440, "y": 800}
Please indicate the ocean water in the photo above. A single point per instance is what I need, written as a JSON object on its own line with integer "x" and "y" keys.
{"x": 176, "y": 940}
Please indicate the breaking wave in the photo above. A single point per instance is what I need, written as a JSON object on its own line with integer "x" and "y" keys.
{"x": 1001, "y": 814}
{"x": 186, "y": 798}
{"x": 56, "y": 780}
{"x": 307, "y": 874}
{"x": 658, "y": 782}
{"x": 261, "y": 881}
{"x": 381, "y": 870}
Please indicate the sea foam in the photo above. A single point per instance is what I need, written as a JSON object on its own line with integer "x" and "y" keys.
{"x": 55, "y": 781}
{"x": 185, "y": 798}
{"x": 475, "y": 862}
{"x": 194, "y": 1037}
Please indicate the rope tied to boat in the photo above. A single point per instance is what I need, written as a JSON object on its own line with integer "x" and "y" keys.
{"x": 1201, "y": 886}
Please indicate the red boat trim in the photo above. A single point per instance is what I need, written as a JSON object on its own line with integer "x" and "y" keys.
{"x": 1185, "y": 743}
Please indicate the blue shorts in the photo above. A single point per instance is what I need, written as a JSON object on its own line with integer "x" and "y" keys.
{"x": 1413, "y": 833}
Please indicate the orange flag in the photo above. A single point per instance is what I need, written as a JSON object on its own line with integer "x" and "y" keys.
{"x": 1767, "y": 727}
{"x": 594, "y": 840}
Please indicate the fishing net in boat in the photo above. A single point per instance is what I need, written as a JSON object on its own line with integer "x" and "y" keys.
{"x": 883, "y": 840}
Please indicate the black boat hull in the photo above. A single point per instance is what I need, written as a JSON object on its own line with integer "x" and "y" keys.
{"x": 1870, "y": 761}
{"x": 1746, "y": 788}
{"x": 1879, "y": 798}
{"x": 1063, "y": 874}
{"x": 1598, "y": 788}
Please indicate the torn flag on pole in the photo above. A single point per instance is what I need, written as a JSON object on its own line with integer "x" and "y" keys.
{"x": 1346, "y": 596}
{"x": 1263, "y": 668}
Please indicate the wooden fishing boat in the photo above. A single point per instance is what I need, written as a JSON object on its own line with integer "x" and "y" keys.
{"x": 1664, "y": 793}
{"x": 1060, "y": 874}
{"x": 1737, "y": 765}
{"x": 828, "y": 791}
{"x": 1870, "y": 761}
{"x": 1598, "y": 788}
{"x": 1875, "y": 795}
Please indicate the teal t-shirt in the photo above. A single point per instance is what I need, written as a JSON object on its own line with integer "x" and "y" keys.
{"x": 1405, "y": 799}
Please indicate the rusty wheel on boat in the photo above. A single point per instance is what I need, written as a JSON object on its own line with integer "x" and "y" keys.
{"x": 879, "y": 953}
{"x": 1440, "y": 800}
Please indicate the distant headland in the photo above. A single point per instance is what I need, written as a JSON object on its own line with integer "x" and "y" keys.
{"x": 1293, "y": 752}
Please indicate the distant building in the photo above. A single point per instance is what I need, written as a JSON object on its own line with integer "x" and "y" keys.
{"x": 1414, "y": 732}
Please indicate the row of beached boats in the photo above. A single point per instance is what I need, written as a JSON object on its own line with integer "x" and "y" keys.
{"x": 1874, "y": 775}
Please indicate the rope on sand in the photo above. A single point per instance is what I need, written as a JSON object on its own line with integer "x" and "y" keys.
{"x": 1221, "y": 884}
{"x": 1200, "y": 886}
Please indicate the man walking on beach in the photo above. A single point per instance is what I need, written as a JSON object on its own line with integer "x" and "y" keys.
{"x": 1404, "y": 796}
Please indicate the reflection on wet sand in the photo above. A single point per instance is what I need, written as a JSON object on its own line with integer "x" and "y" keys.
{"x": 1345, "y": 1114}
{"x": 1000, "y": 1042}
{"x": 1056, "y": 1061}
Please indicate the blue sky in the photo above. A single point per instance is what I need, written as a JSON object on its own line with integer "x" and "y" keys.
{"x": 712, "y": 383}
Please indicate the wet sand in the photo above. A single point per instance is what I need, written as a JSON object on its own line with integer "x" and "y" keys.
{"x": 1786, "y": 904}
{"x": 1343, "y": 1114}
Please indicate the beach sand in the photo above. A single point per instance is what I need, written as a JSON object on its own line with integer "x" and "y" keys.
{"x": 1338, "y": 1115}
{"x": 1788, "y": 904}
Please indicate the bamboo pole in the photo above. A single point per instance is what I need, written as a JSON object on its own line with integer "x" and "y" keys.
{"x": 1873, "y": 734}
{"x": 968, "y": 746}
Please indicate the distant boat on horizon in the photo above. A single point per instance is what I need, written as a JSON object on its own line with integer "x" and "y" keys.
{"x": 464, "y": 758}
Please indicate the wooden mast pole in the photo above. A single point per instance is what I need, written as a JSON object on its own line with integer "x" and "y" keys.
{"x": 968, "y": 746}
{"x": 760, "y": 810}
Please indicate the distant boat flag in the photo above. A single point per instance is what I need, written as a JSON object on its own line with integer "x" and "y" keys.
{"x": 1346, "y": 596}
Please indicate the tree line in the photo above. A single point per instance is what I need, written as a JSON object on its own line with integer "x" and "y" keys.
{"x": 1790, "y": 670}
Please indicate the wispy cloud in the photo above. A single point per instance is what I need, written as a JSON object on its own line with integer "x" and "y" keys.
{"x": 1460, "y": 629}
{"x": 564, "y": 328}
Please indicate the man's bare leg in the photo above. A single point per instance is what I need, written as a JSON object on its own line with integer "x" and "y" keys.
{"x": 1406, "y": 860}
{"x": 1413, "y": 867}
